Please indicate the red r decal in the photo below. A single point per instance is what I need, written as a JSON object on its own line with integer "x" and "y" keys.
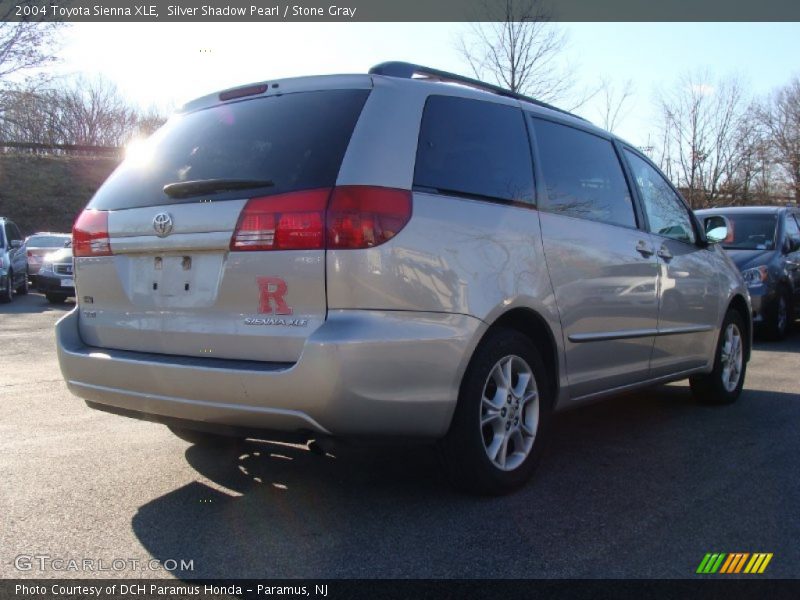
{"x": 273, "y": 291}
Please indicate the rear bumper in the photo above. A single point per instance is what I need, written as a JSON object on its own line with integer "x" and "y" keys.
{"x": 363, "y": 373}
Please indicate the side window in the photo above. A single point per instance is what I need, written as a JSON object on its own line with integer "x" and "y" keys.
{"x": 15, "y": 233}
{"x": 474, "y": 147}
{"x": 666, "y": 212}
{"x": 792, "y": 229}
{"x": 582, "y": 175}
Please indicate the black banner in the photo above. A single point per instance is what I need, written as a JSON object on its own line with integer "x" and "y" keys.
{"x": 271, "y": 11}
{"x": 642, "y": 589}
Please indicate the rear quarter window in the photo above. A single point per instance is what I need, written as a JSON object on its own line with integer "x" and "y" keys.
{"x": 475, "y": 148}
{"x": 296, "y": 140}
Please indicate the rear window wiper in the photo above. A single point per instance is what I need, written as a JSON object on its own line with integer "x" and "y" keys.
{"x": 196, "y": 187}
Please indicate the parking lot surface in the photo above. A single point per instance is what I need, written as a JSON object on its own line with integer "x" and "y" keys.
{"x": 642, "y": 485}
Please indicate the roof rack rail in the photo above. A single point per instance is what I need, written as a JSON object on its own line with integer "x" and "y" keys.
{"x": 406, "y": 70}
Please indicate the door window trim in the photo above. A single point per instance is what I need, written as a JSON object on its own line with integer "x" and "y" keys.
{"x": 538, "y": 177}
{"x": 700, "y": 237}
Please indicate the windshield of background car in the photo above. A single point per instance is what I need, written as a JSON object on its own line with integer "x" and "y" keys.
{"x": 47, "y": 241}
{"x": 751, "y": 232}
{"x": 296, "y": 141}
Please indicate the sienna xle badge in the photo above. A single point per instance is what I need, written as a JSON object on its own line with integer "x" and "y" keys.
{"x": 391, "y": 255}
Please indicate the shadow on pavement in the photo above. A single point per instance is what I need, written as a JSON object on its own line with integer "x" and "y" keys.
{"x": 34, "y": 302}
{"x": 623, "y": 480}
{"x": 790, "y": 344}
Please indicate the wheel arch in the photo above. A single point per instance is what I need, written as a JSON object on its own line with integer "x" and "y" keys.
{"x": 532, "y": 325}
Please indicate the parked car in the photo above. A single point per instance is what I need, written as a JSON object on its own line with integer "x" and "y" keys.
{"x": 55, "y": 278}
{"x": 39, "y": 244}
{"x": 403, "y": 254}
{"x": 13, "y": 263}
{"x": 764, "y": 242}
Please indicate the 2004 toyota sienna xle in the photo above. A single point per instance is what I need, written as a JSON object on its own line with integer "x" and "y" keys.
{"x": 407, "y": 254}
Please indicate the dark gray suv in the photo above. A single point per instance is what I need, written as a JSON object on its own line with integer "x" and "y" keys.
{"x": 764, "y": 242}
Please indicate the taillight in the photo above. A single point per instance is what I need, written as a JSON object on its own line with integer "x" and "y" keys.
{"x": 30, "y": 253}
{"x": 90, "y": 234}
{"x": 293, "y": 221}
{"x": 356, "y": 217}
{"x": 365, "y": 216}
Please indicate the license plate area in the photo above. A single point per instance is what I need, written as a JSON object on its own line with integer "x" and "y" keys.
{"x": 173, "y": 275}
{"x": 68, "y": 283}
{"x": 172, "y": 280}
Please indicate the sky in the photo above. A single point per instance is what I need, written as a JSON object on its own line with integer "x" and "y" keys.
{"x": 166, "y": 64}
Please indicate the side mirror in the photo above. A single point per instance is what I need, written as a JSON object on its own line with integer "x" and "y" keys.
{"x": 15, "y": 244}
{"x": 717, "y": 228}
{"x": 791, "y": 245}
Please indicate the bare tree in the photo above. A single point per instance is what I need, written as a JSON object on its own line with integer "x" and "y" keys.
{"x": 520, "y": 49}
{"x": 25, "y": 45}
{"x": 614, "y": 102}
{"x": 781, "y": 117}
{"x": 85, "y": 112}
{"x": 700, "y": 118}
{"x": 749, "y": 178}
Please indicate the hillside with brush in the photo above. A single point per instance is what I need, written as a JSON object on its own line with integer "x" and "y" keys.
{"x": 46, "y": 193}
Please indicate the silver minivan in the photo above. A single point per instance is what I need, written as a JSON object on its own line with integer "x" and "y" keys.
{"x": 405, "y": 254}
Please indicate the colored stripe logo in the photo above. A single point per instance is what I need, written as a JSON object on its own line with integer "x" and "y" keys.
{"x": 735, "y": 562}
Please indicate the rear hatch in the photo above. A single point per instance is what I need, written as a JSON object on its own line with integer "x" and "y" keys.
{"x": 208, "y": 240}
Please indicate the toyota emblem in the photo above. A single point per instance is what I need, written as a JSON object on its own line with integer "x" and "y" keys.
{"x": 162, "y": 223}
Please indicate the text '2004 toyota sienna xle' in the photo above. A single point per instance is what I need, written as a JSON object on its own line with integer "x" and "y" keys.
{"x": 407, "y": 254}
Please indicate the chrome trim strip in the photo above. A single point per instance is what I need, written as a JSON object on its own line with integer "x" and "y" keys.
{"x": 603, "y": 336}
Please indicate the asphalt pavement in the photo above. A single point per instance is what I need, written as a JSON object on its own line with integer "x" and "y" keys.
{"x": 641, "y": 485}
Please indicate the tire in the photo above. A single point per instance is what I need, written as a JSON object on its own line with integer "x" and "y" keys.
{"x": 719, "y": 386}
{"x": 8, "y": 294}
{"x": 55, "y": 298}
{"x": 475, "y": 451}
{"x": 780, "y": 316}
{"x": 205, "y": 438}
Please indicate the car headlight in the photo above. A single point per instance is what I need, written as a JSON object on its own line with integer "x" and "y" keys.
{"x": 755, "y": 277}
{"x": 46, "y": 268}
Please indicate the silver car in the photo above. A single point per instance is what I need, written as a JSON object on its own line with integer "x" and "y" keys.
{"x": 404, "y": 254}
{"x": 40, "y": 244}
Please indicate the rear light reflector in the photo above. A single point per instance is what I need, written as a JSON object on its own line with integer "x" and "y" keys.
{"x": 348, "y": 217}
{"x": 293, "y": 221}
{"x": 90, "y": 234}
{"x": 366, "y": 216}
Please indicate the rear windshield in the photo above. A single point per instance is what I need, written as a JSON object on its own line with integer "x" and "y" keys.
{"x": 47, "y": 241}
{"x": 296, "y": 141}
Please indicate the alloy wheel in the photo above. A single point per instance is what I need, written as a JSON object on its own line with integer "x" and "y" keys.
{"x": 509, "y": 413}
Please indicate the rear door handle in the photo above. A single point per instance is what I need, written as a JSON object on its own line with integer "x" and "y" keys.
{"x": 644, "y": 248}
{"x": 664, "y": 252}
